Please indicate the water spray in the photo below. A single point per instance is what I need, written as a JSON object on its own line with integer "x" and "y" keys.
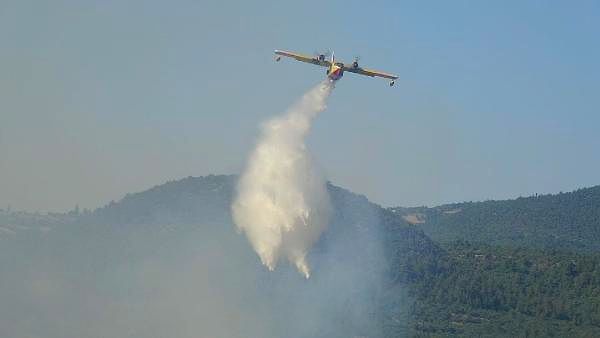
{"x": 282, "y": 204}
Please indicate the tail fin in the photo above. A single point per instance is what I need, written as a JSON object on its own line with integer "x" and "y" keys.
{"x": 332, "y": 57}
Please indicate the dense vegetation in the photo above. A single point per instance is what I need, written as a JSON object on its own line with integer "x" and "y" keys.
{"x": 566, "y": 221}
{"x": 523, "y": 288}
{"x": 493, "y": 291}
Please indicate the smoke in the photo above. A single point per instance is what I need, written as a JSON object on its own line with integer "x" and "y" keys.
{"x": 282, "y": 203}
{"x": 167, "y": 262}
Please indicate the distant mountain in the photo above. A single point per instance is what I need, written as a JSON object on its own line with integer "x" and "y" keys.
{"x": 565, "y": 221}
{"x": 14, "y": 223}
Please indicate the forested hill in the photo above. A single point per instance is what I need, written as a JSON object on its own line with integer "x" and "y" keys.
{"x": 207, "y": 200}
{"x": 459, "y": 289}
{"x": 372, "y": 251}
{"x": 426, "y": 289}
{"x": 564, "y": 221}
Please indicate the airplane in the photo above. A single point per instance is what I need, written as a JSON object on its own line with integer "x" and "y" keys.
{"x": 335, "y": 70}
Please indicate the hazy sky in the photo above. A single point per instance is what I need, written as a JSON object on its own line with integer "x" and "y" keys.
{"x": 102, "y": 98}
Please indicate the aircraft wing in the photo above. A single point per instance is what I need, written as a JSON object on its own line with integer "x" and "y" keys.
{"x": 368, "y": 72}
{"x": 304, "y": 58}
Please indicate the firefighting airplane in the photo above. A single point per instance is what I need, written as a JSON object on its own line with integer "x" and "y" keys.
{"x": 335, "y": 70}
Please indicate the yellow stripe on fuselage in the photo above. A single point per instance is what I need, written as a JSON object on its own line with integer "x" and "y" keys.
{"x": 334, "y": 67}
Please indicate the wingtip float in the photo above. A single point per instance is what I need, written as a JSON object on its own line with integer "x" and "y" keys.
{"x": 335, "y": 69}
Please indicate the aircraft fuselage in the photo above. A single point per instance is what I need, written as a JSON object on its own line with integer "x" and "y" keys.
{"x": 335, "y": 71}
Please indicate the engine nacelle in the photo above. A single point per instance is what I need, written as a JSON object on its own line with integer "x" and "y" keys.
{"x": 277, "y": 57}
{"x": 355, "y": 64}
{"x": 392, "y": 83}
{"x": 321, "y": 57}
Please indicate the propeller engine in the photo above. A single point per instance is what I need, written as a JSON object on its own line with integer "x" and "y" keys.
{"x": 355, "y": 62}
{"x": 321, "y": 56}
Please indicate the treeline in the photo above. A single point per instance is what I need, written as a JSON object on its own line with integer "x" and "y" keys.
{"x": 566, "y": 221}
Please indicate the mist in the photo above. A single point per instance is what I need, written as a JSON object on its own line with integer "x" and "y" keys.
{"x": 282, "y": 204}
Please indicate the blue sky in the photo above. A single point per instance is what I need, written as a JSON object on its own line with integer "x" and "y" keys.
{"x": 494, "y": 100}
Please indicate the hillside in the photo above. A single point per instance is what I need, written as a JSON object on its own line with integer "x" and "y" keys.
{"x": 178, "y": 238}
{"x": 164, "y": 252}
{"x": 458, "y": 289}
{"x": 565, "y": 221}
{"x": 499, "y": 292}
